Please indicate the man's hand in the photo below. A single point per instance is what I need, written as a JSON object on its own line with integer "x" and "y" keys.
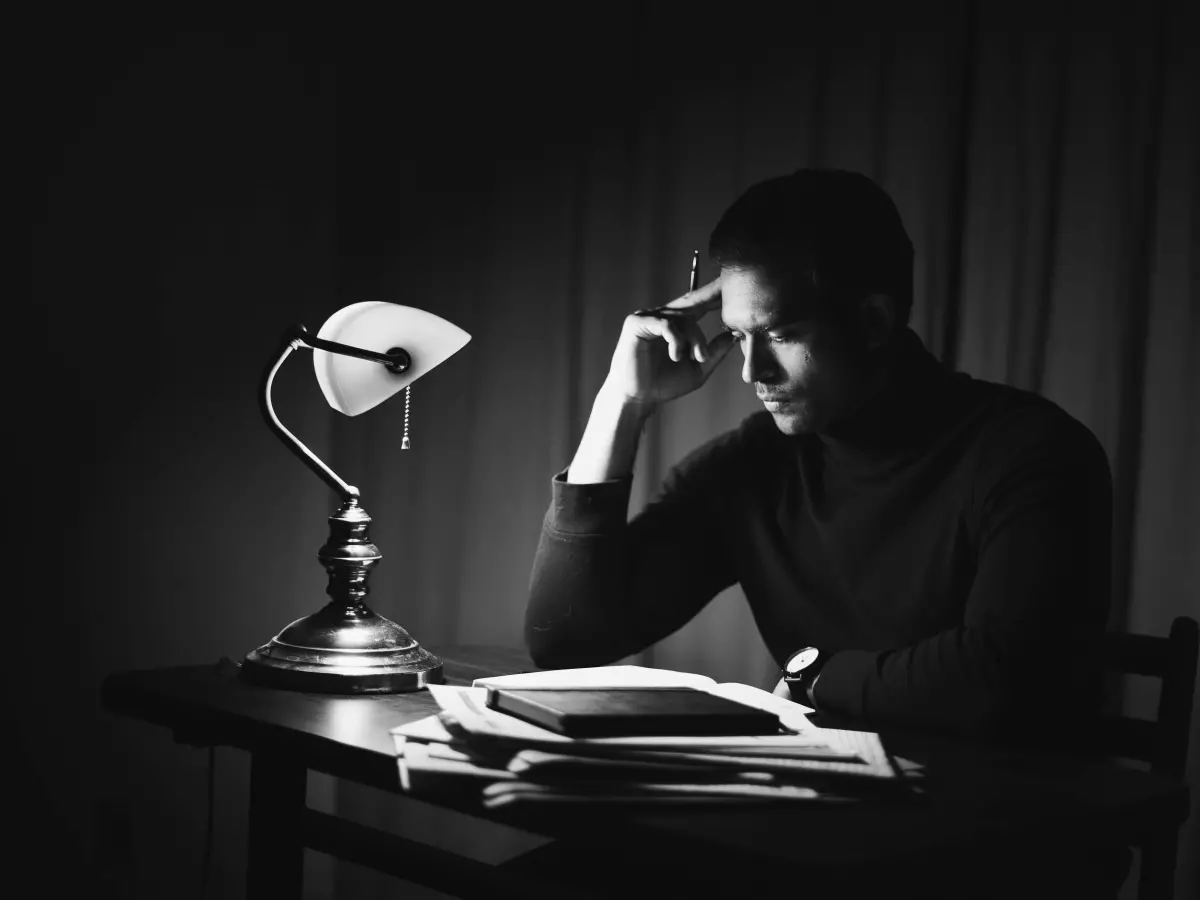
{"x": 783, "y": 689}
{"x": 662, "y": 353}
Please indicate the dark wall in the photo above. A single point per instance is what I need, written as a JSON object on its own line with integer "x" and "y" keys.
{"x": 194, "y": 195}
{"x": 187, "y": 214}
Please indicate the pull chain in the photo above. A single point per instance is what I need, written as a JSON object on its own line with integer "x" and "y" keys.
{"x": 405, "y": 444}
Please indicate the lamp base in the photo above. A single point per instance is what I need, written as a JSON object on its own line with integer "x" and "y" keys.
{"x": 343, "y": 650}
{"x": 345, "y": 647}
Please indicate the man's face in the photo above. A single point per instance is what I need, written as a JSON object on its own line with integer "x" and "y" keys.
{"x": 808, "y": 371}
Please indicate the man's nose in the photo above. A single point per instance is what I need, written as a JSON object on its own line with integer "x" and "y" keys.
{"x": 759, "y": 364}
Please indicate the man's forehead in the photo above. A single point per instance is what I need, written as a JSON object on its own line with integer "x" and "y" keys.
{"x": 751, "y": 298}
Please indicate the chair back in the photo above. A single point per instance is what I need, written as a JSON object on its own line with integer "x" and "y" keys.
{"x": 1163, "y": 742}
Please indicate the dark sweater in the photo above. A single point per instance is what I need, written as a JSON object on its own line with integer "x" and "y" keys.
{"x": 950, "y": 548}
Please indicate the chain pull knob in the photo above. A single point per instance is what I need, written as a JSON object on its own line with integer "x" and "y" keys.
{"x": 405, "y": 443}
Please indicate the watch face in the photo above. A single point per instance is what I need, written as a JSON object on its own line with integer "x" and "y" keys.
{"x": 801, "y": 660}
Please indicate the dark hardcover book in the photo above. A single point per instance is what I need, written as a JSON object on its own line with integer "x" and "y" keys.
{"x": 627, "y": 712}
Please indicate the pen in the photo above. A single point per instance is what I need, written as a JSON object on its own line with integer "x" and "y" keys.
{"x": 692, "y": 277}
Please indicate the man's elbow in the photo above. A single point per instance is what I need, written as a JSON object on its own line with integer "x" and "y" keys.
{"x": 556, "y": 648}
{"x": 546, "y": 651}
{"x": 1030, "y": 691}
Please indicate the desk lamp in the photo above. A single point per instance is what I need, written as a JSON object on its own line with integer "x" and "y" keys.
{"x": 363, "y": 354}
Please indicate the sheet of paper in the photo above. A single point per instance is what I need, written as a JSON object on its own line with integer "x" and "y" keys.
{"x": 598, "y": 677}
{"x": 431, "y": 729}
{"x": 534, "y": 764}
{"x": 507, "y": 792}
{"x": 867, "y": 746}
{"x": 792, "y": 715}
{"x": 420, "y": 760}
{"x": 863, "y": 746}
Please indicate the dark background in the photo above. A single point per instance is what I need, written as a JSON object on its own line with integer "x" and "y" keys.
{"x": 196, "y": 193}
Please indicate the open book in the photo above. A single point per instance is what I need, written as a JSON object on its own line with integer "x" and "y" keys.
{"x": 791, "y": 714}
{"x": 465, "y": 711}
{"x": 833, "y": 752}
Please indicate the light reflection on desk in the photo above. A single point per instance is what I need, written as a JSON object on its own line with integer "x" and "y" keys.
{"x": 352, "y": 720}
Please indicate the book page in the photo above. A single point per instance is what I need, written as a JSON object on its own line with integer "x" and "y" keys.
{"x": 792, "y": 715}
{"x": 598, "y": 677}
{"x": 863, "y": 745}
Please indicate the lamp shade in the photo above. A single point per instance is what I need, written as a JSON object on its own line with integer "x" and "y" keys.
{"x": 353, "y": 386}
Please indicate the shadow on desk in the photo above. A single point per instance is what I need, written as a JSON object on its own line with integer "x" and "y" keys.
{"x": 655, "y": 871}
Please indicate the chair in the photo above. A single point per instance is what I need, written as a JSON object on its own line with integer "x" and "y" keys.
{"x": 1163, "y": 742}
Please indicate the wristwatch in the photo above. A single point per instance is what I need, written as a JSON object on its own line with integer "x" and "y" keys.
{"x": 800, "y": 671}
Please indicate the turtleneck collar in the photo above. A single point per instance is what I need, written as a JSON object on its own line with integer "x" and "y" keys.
{"x": 900, "y": 417}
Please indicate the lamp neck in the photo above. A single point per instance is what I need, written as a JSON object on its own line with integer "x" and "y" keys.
{"x": 346, "y": 491}
{"x": 397, "y": 360}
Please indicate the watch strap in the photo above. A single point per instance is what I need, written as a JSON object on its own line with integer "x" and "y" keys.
{"x": 803, "y": 681}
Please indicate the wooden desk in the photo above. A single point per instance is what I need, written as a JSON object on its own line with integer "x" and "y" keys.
{"x": 974, "y": 797}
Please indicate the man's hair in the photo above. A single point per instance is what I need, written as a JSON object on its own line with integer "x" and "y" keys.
{"x": 838, "y": 231}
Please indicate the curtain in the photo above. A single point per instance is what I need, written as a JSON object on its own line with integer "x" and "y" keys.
{"x": 1048, "y": 182}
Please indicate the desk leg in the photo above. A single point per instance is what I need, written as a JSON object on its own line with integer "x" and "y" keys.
{"x": 1158, "y": 867}
{"x": 275, "y": 855}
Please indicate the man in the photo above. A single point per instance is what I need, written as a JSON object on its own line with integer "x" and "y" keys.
{"x": 937, "y": 545}
{"x": 932, "y": 551}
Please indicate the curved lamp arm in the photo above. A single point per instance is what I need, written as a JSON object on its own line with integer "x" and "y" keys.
{"x": 395, "y": 360}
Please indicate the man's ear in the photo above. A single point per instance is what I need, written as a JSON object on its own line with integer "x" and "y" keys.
{"x": 877, "y": 319}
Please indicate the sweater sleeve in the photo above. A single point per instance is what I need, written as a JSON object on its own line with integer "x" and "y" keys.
{"x": 1028, "y": 646}
{"x": 602, "y": 588}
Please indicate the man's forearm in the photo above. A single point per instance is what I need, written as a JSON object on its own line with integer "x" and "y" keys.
{"x": 604, "y": 586}
{"x": 610, "y": 440}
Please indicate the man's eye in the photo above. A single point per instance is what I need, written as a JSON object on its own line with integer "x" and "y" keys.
{"x": 779, "y": 339}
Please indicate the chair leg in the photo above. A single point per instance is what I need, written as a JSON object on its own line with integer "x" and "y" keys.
{"x": 1157, "y": 879}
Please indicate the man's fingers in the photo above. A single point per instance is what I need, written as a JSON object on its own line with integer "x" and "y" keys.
{"x": 702, "y": 299}
{"x": 697, "y": 343}
{"x": 685, "y": 339}
{"x": 718, "y": 348}
{"x": 677, "y": 345}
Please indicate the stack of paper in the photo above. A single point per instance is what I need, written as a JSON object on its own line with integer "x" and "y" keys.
{"x": 470, "y": 746}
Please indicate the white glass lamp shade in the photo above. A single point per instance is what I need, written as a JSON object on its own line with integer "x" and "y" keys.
{"x": 352, "y": 386}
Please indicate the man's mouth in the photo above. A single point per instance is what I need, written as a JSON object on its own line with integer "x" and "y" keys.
{"x": 777, "y": 403}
